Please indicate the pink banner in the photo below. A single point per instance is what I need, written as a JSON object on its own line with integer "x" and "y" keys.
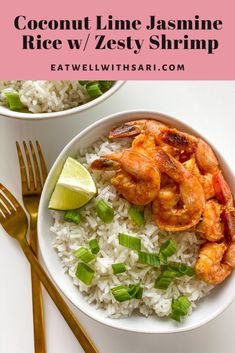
{"x": 170, "y": 40}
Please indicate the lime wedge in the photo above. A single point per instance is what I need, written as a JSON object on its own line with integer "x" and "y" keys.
{"x": 75, "y": 187}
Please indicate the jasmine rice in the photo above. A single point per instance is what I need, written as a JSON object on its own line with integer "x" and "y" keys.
{"x": 69, "y": 237}
{"x": 50, "y": 96}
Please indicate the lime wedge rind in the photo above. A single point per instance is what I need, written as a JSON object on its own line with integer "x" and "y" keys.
{"x": 74, "y": 189}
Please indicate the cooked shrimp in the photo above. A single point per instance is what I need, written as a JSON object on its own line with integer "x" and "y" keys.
{"x": 222, "y": 190}
{"x": 147, "y": 133}
{"x": 210, "y": 266}
{"x": 204, "y": 166}
{"x": 229, "y": 221}
{"x": 216, "y": 261}
{"x": 136, "y": 127}
{"x": 205, "y": 180}
{"x": 187, "y": 211}
{"x": 206, "y": 159}
{"x": 204, "y": 155}
{"x": 180, "y": 140}
{"x": 211, "y": 227}
{"x": 138, "y": 179}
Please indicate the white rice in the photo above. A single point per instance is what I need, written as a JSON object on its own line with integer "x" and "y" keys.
{"x": 46, "y": 96}
{"x": 69, "y": 237}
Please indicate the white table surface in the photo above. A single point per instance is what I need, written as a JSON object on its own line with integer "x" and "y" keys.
{"x": 208, "y": 107}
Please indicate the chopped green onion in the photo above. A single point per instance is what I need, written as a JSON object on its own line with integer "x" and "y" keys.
{"x": 129, "y": 242}
{"x": 105, "y": 85}
{"x": 164, "y": 279}
{"x": 93, "y": 89}
{"x": 94, "y": 246}
{"x": 183, "y": 269}
{"x": 168, "y": 248}
{"x": 119, "y": 268}
{"x": 84, "y": 255}
{"x": 171, "y": 271}
{"x": 136, "y": 216}
{"x": 162, "y": 258}
{"x": 84, "y": 273}
{"x": 139, "y": 294}
{"x": 148, "y": 259}
{"x": 121, "y": 293}
{"x": 180, "y": 307}
{"x": 135, "y": 291}
{"x": 13, "y": 100}
{"x": 162, "y": 282}
{"x": 72, "y": 216}
{"x": 104, "y": 211}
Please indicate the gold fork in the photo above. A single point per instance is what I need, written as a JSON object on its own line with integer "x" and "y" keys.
{"x": 32, "y": 183}
{"x": 14, "y": 220}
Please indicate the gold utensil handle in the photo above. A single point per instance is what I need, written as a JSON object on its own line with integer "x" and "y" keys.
{"x": 38, "y": 320}
{"x": 68, "y": 315}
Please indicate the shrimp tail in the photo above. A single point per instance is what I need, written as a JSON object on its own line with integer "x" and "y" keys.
{"x": 128, "y": 129}
{"x": 104, "y": 164}
{"x": 136, "y": 127}
{"x": 179, "y": 139}
{"x": 222, "y": 190}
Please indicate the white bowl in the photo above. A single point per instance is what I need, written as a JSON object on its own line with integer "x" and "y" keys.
{"x": 38, "y": 116}
{"x": 207, "y": 308}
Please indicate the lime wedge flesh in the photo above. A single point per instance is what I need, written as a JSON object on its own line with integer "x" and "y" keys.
{"x": 75, "y": 187}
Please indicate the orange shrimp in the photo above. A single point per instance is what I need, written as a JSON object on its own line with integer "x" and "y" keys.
{"x": 138, "y": 179}
{"x": 216, "y": 261}
{"x": 136, "y": 127}
{"x": 210, "y": 266}
{"x": 146, "y": 133}
{"x": 211, "y": 227}
{"x": 177, "y": 208}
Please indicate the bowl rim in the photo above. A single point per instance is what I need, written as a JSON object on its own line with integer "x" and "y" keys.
{"x": 6, "y": 112}
{"x": 64, "y": 152}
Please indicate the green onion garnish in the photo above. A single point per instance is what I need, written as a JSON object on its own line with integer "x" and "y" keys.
{"x": 170, "y": 272}
{"x": 148, "y": 259}
{"x": 129, "y": 242}
{"x": 167, "y": 249}
{"x": 119, "y": 268}
{"x": 180, "y": 307}
{"x": 72, "y": 216}
{"x": 183, "y": 269}
{"x": 136, "y": 216}
{"x": 93, "y": 89}
{"x": 104, "y": 211}
{"x": 84, "y": 273}
{"x": 121, "y": 293}
{"x": 13, "y": 101}
{"x": 84, "y": 255}
{"x": 94, "y": 246}
{"x": 105, "y": 85}
{"x": 135, "y": 291}
{"x": 164, "y": 279}
{"x": 139, "y": 294}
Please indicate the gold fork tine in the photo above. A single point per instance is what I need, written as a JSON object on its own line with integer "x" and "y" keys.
{"x": 7, "y": 203}
{"x": 38, "y": 184}
{"x": 24, "y": 179}
{"x": 31, "y": 182}
{"x": 42, "y": 162}
{"x": 2, "y": 218}
{"x": 4, "y": 211}
{"x": 10, "y": 196}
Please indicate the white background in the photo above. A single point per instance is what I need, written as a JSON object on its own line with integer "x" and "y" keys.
{"x": 209, "y": 107}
